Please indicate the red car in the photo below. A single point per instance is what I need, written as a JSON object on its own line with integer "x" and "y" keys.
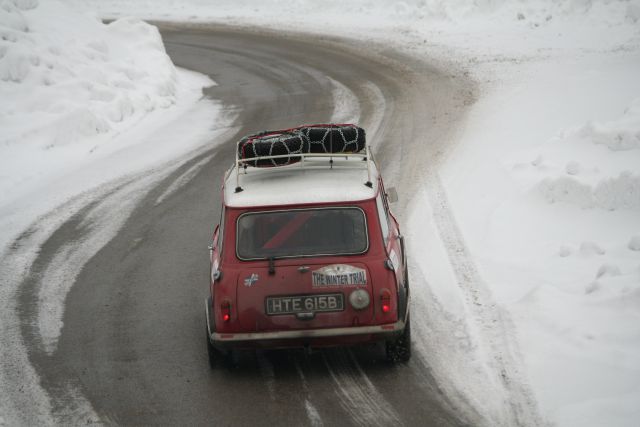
{"x": 307, "y": 252}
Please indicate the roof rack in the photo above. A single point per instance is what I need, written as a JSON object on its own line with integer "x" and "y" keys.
{"x": 302, "y": 159}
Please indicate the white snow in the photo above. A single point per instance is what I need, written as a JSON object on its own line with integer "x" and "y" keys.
{"x": 346, "y": 108}
{"x": 550, "y": 153}
{"x": 538, "y": 200}
{"x": 67, "y": 81}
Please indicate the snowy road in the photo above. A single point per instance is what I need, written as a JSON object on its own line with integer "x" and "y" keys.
{"x": 132, "y": 348}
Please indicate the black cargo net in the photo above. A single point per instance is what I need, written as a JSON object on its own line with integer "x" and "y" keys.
{"x": 275, "y": 143}
{"x": 343, "y": 138}
{"x": 334, "y": 138}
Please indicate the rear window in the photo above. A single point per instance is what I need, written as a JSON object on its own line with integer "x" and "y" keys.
{"x": 302, "y": 232}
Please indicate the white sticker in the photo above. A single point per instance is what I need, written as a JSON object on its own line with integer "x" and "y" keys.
{"x": 338, "y": 275}
{"x": 214, "y": 269}
{"x": 251, "y": 280}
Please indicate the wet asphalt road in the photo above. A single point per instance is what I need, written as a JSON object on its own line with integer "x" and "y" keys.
{"x": 133, "y": 340}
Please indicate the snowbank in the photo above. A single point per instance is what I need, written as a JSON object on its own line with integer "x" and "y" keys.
{"x": 66, "y": 78}
{"x": 545, "y": 186}
{"x": 553, "y": 229}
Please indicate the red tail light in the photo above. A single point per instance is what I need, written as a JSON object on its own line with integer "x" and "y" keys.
{"x": 225, "y": 309}
{"x": 385, "y": 300}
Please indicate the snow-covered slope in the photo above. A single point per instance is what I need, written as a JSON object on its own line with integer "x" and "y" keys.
{"x": 66, "y": 78}
{"x": 545, "y": 188}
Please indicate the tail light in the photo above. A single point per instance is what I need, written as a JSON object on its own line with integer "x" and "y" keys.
{"x": 385, "y": 300}
{"x": 225, "y": 310}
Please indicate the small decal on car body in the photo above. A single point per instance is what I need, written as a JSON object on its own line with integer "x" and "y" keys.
{"x": 251, "y": 280}
{"x": 214, "y": 268}
{"x": 338, "y": 275}
{"x": 394, "y": 260}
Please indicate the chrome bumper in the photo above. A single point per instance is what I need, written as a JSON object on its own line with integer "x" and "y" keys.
{"x": 216, "y": 337}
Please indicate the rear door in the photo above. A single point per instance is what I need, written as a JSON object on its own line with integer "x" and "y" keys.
{"x": 298, "y": 271}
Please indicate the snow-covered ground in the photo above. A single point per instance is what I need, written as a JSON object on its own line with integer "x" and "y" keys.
{"x": 543, "y": 177}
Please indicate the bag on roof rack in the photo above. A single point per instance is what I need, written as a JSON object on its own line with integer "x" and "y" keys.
{"x": 273, "y": 143}
{"x": 321, "y": 138}
{"x": 343, "y": 138}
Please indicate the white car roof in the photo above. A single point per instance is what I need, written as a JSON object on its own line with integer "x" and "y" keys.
{"x": 313, "y": 181}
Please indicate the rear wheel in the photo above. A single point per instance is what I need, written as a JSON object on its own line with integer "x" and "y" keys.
{"x": 399, "y": 350}
{"x": 214, "y": 355}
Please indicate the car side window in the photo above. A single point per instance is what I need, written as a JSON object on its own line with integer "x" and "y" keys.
{"x": 382, "y": 215}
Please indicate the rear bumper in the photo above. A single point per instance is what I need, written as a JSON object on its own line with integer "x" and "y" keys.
{"x": 301, "y": 337}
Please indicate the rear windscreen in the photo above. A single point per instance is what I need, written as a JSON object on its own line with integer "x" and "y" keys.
{"x": 302, "y": 232}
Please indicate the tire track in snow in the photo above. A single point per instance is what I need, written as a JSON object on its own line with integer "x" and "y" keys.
{"x": 445, "y": 363}
{"x": 471, "y": 348}
{"x": 346, "y": 107}
{"x": 312, "y": 413}
{"x": 98, "y": 226}
{"x": 374, "y": 122}
{"x": 43, "y": 285}
{"x": 498, "y": 346}
{"x": 360, "y": 398}
{"x": 22, "y": 393}
{"x": 183, "y": 179}
{"x": 266, "y": 369}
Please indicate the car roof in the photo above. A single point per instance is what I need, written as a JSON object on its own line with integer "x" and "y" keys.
{"x": 309, "y": 182}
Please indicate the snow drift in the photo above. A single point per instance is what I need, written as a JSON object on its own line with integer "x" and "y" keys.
{"x": 594, "y": 165}
{"x": 65, "y": 78}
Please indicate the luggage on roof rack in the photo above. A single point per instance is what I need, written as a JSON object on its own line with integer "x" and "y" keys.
{"x": 288, "y": 145}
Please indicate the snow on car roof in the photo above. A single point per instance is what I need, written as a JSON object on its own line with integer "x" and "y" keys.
{"x": 315, "y": 181}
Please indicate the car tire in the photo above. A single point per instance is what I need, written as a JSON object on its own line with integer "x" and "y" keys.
{"x": 213, "y": 354}
{"x": 399, "y": 350}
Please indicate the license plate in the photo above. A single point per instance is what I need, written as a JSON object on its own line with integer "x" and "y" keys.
{"x": 304, "y": 303}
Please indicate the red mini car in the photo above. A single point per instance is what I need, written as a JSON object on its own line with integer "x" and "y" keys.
{"x": 307, "y": 252}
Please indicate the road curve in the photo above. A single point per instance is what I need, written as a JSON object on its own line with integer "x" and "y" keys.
{"x": 133, "y": 338}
